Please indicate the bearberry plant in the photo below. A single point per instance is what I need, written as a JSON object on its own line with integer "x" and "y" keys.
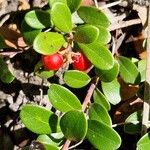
{"x": 72, "y": 41}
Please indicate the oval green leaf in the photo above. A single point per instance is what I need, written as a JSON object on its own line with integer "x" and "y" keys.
{"x": 73, "y": 5}
{"x": 132, "y": 123}
{"x": 5, "y": 75}
{"x": 47, "y": 142}
{"x": 38, "y": 19}
{"x": 102, "y": 136}
{"x": 144, "y": 142}
{"x": 45, "y": 74}
{"x": 142, "y": 69}
{"x": 101, "y": 99}
{"x": 99, "y": 113}
{"x": 104, "y": 35}
{"x": 47, "y": 43}
{"x": 112, "y": 91}
{"x": 108, "y": 75}
{"x": 128, "y": 70}
{"x": 86, "y": 34}
{"x": 29, "y": 33}
{"x": 76, "y": 79}
{"x": 32, "y": 117}
{"x": 94, "y": 16}
{"x": 74, "y": 125}
{"x": 63, "y": 99}
{"x": 98, "y": 54}
{"x": 61, "y": 17}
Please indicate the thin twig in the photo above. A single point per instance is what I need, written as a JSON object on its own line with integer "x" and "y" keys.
{"x": 66, "y": 145}
{"x": 86, "y": 101}
{"x": 110, "y": 4}
{"x": 146, "y": 105}
{"x": 124, "y": 24}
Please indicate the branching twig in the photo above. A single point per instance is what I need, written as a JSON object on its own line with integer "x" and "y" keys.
{"x": 124, "y": 24}
{"x": 146, "y": 105}
{"x": 86, "y": 101}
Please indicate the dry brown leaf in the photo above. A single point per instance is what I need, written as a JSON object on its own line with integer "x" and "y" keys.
{"x": 12, "y": 38}
{"x": 125, "y": 109}
{"x": 127, "y": 91}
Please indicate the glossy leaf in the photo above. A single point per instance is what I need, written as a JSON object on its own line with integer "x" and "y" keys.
{"x": 29, "y": 33}
{"x": 61, "y": 17}
{"x": 132, "y": 123}
{"x": 63, "y": 99}
{"x": 76, "y": 79}
{"x": 86, "y": 34}
{"x": 38, "y": 19}
{"x": 128, "y": 70}
{"x": 98, "y": 54}
{"x": 73, "y": 5}
{"x": 52, "y": 2}
{"x": 104, "y": 35}
{"x": 99, "y": 113}
{"x": 74, "y": 125}
{"x": 108, "y": 75}
{"x": 48, "y": 42}
{"x": 47, "y": 142}
{"x": 144, "y": 142}
{"x": 94, "y": 16}
{"x": 33, "y": 118}
{"x": 101, "y": 99}
{"x": 112, "y": 91}
{"x": 142, "y": 69}
{"x": 45, "y": 74}
{"x": 5, "y": 75}
{"x": 102, "y": 136}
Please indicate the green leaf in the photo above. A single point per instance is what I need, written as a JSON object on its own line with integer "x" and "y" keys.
{"x": 104, "y": 35}
{"x": 61, "y": 17}
{"x": 29, "y": 33}
{"x": 47, "y": 142}
{"x": 38, "y": 19}
{"x": 101, "y": 99}
{"x": 33, "y": 118}
{"x": 142, "y": 69}
{"x": 74, "y": 125}
{"x": 76, "y": 79}
{"x": 108, "y": 75}
{"x": 73, "y": 5}
{"x": 144, "y": 142}
{"x": 5, "y": 75}
{"x": 52, "y": 2}
{"x": 94, "y": 16}
{"x": 128, "y": 70}
{"x": 102, "y": 136}
{"x": 63, "y": 99}
{"x": 132, "y": 123}
{"x": 112, "y": 91}
{"x": 86, "y": 34}
{"x": 99, "y": 113}
{"x": 42, "y": 73}
{"x": 98, "y": 54}
{"x": 47, "y": 43}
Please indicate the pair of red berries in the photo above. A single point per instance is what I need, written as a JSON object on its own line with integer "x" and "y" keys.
{"x": 55, "y": 61}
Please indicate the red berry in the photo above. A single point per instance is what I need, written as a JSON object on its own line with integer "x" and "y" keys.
{"x": 52, "y": 62}
{"x": 80, "y": 62}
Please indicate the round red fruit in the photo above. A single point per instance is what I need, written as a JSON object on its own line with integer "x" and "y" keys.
{"x": 81, "y": 62}
{"x": 52, "y": 62}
